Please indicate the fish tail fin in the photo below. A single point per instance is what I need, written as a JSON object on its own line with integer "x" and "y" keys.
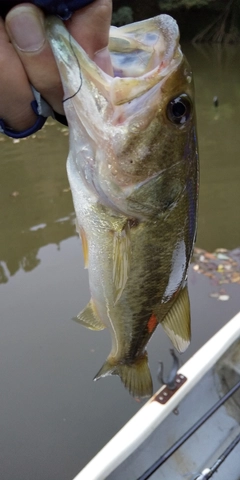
{"x": 135, "y": 377}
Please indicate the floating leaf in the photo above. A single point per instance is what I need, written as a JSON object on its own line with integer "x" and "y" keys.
{"x": 222, "y": 266}
{"x": 222, "y": 256}
{"x": 196, "y": 267}
{"x": 223, "y": 297}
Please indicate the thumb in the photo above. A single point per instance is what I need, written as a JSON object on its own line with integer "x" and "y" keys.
{"x": 25, "y": 27}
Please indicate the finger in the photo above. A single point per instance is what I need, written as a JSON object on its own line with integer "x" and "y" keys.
{"x": 25, "y": 26}
{"x": 90, "y": 28}
{"x": 15, "y": 92}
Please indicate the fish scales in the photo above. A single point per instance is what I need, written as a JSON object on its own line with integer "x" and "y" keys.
{"x": 133, "y": 172}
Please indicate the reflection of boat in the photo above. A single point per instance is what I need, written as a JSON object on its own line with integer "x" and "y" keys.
{"x": 192, "y": 431}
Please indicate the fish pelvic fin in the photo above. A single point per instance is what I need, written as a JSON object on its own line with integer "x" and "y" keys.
{"x": 177, "y": 324}
{"x": 121, "y": 259}
{"x": 89, "y": 318}
{"x": 136, "y": 377}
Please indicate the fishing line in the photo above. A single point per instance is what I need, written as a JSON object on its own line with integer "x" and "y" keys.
{"x": 147, "y": 474}
{"x": 79, "y": 68}
{"x": 205, "y": 475}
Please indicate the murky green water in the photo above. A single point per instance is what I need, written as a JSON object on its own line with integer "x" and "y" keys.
{"x": 53, "y": 417}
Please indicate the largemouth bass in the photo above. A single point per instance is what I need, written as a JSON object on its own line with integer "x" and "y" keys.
{"x": 133, "y": 172}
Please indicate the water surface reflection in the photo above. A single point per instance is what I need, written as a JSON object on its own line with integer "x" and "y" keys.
{"x": 35, "y": 200}
{"x": 216, "y": 73}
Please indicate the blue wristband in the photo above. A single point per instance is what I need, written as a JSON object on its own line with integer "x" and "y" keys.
{"x": 63, "y": 8}
{"x": 37, "y": 125}
{"x": 42, "y": 109}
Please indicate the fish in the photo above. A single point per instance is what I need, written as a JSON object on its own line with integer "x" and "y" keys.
{"x": 133, "y": 172}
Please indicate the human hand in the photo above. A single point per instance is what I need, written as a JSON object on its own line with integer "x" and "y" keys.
{"x": 26, "y": 58}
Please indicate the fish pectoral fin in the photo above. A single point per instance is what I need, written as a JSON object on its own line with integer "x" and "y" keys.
{"x": 83, "y": 237}
{"x": 121, "y": 259}
{"x": 136, "y": 377}
{"x": 89, "y": 319}
{"x": 177, "y": 322}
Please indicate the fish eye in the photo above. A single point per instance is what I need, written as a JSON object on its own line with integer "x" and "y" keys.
{"x": 179, "y": 109}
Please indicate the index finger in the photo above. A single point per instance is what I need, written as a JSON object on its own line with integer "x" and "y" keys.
{"x": 90, "y": 28}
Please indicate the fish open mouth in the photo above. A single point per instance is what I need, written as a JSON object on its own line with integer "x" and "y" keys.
{"x": 105, "y": 111}
{"x": 142, "y": 54}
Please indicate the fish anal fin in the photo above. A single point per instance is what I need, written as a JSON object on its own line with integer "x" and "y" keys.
{"x": 136, "y": 377}
{"x": 177, "y": 322}
{"x": 89, "y": 318}
{"x": 121, "y": 259}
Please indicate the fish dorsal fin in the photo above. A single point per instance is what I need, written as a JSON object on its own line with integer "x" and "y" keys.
{"x": 121, "y": 259}
{"x": 177, "y": 322}
{"x": 89, "y": 319}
